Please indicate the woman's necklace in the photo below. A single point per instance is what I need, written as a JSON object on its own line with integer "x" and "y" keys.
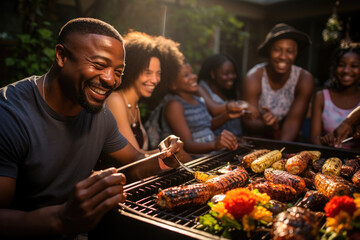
{"x": 133, "y": 116}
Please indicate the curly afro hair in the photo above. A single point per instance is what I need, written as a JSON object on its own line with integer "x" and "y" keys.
{"x": 140, "y": 48}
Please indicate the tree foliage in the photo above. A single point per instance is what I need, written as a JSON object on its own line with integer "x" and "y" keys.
{"x": 195, "y": 26}
{"x": 34, "y": 51}
{"x": 188, "y": 22}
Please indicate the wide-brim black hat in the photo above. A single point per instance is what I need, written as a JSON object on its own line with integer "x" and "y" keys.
{"x": 283, "y": 31}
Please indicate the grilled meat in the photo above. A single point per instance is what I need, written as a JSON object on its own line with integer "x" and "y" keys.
{"x": 280, "y": 192}
{"x": 200, "y": 193}
{"x": 330, "y": 185}
{"x": 313, "y": 200}
{"x": 309, "y": 173}
{"x": 356, "y": 179}
{"x": 308, "y": 182}
{"x": 286, "y": 178}
{"x": 347, "y": 171}
{"x": 349, "y": 168}
{"x": 296, "y": 223}
{"x": 308, "y": 177}
{"x": 277, "y": 206}
{"x": 317, "y": 164}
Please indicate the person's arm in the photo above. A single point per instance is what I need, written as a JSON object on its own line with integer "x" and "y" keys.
{"x": 174, "y": 115}
{"x": 87, "y": 204}
{"x": 232, "y": 111}
{"x": 295, "y": 117}
{"x": 151, "y": 167}
{"x": 213, "y": 107}
{"x": 347, "y": 126}
{"x": 221, "y": 112}
{"x": 316, "y": 125}
{"x": 251, "y": 93}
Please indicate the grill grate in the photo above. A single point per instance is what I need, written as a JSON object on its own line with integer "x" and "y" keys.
{"x": 142, "y": 199}
{"x": 141, "y": 196}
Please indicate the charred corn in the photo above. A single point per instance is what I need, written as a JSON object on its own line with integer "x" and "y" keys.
{"x": 202, "y": 177}
{"x": 265, "y": 161}
{"x": 249, "y": 158}
{"x": 332, "y": 166}
{"x": 315, "y": 155}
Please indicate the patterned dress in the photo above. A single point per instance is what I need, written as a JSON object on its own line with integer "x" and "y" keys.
{"x": 198, "y": 119}
{"x": 278, "y": 101}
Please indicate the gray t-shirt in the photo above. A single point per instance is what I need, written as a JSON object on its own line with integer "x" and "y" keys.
{"x": 45, "y": 152}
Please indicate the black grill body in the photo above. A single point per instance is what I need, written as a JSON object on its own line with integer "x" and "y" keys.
{"x": 140, "y": 218}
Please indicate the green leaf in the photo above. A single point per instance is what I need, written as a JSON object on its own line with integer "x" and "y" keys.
{"x": 10, "y": 61}
{"x": 49, "y": 52}
{"x": 44, "y": 33}
{"x": 24, "y": 38}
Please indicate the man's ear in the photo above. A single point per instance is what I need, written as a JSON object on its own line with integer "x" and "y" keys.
{"x": 60, "y": 57}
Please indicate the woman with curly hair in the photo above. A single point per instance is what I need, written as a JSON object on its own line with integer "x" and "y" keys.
{"x": 332, "y": 105}
{"x": 148, "y": 60}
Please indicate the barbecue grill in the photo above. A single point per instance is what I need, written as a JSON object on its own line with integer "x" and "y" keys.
{"x": 140, "y": 217}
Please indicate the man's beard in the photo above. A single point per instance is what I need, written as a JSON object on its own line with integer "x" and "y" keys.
{"x": 87, "y": 106}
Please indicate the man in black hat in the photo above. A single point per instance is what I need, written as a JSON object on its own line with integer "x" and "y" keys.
{"x": 280, "y": 90}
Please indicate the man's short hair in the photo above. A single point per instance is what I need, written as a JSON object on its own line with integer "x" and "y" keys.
{"x": 88, "y": 26}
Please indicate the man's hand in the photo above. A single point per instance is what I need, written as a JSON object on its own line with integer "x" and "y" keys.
{"x": 170, "y": 146}
{"x": 91, "y": 199}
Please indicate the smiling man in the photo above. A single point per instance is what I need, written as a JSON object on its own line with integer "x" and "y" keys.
{"x": 53, "y": 130}
{"x": 278, "y": 89}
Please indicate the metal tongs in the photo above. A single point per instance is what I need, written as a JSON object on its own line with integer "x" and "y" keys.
{"x": 199, "y": 176}
{"x": 183, "y": 165}
{"x": 141, "y": 160}
{"x": 347, "y": 139}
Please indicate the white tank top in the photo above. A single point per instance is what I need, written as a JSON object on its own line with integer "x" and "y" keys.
{"x": 280, "y": 100}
